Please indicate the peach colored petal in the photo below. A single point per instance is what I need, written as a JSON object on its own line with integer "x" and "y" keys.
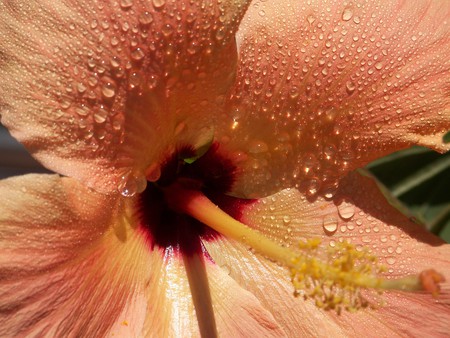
{"x": 100, "y": 90}
{"x": 49, "y": 285}
{"x": 238, "y": 313}
{"x": 323, "y": 87}
{"x": 357, "y": 213}
{"x": 72, "y": 264}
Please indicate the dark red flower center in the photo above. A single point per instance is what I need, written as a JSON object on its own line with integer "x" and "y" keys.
{"x": 214, "y": 174}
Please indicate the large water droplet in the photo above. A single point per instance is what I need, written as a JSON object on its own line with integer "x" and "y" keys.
{"x": 146, "y": 18}
{"x": 346, "y": 210}
{"x": 350, "y": 87}
{"x": 132, "y": 184}
{"x": 390, "y": 260}
{"x": 137, "y": 54}
{"x": 109, "y": 90}
{"x": 347, "y": 14}
{"x": 126, "y": 4}
{"x": 159, "y": 3}
{"x": 101, "y": 115}
{"x": 330, "y": 225}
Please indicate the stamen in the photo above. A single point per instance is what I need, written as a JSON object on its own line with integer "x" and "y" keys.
{"x": 333, "y": 277}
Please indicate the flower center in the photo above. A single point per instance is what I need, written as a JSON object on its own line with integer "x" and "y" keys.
{"x": 213, "y": 174}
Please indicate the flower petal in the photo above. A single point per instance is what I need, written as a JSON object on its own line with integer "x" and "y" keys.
{"x": 51, "y": 276}
{"x": 99, "y": 90}
{"x": 238, "y": 312}
{"x": 326, "y": 86}
{"x": 359, "y": 214}
{"x": 73, "y": 264}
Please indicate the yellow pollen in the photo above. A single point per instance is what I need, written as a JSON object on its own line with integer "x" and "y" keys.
{"x": 332, "y": 277}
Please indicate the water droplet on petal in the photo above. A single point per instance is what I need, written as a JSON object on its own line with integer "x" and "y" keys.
{"x": 347, "y": 14}
{"x": 132, "y": 184}
{"x": 390, "y": 260}
{"x": 350, "y": 87}
{"x": 126, "y": 4}
{"x": 159, "y": 3}
{"x": 330, "y": 225}
{"x": 146, "y": 18}
{"x": 346, "y": 210}
{"x": 109, "y": 90}
{"x": 100, "y": 115}
{"x": 137, "y": 54}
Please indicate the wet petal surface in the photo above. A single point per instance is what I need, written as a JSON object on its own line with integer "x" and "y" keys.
{"x": 324, "y": 87}
{"x": 358, "y": 214}
{"x": 102, "y": 92}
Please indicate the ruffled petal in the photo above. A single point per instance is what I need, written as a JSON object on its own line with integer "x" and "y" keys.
{"x": 359, "y": 214}
{"x": 102, "y": 91}
{"x": 326, "y": 86}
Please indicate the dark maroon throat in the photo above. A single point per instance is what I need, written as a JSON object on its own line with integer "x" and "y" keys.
{"x": 213, "y": 174}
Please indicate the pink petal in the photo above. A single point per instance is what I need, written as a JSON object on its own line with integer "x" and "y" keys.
{"x": 238, "y": 313}
{"x": 53, "y": 281}
{"x": 358, "y": 213}
{"x": 102, "y": 90}
{"x": 324, "y": 87}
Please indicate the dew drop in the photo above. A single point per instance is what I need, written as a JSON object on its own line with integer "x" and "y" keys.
{"x": 109, "y": 90}
{"x": 350, "y": 87}
{"x": 146, "y": 18}
{"x": 101, "y": 115}
{"x": 329, "y": 192}
{"x": 347, "y": 14}
{"x": 346, "y": 210}
{"x": 134, "y": 80}
{"x": 390, "y": 260}
{"x": 366, "y": 239}
{"x": 137, "y": 54}
{"x": 311, "y": 187}
{"x": 220, "y": 34}
{"x": 311, "y": 19}
{"x": 330, "y": 225}
{"x": 81, "y": 88}
{"x": 132, "y": 184}
{"x": 159, "y": 3}
{"x": 126, "y": 4}
{"x": 167, "y": 30}
{"x": 82, "y": 110}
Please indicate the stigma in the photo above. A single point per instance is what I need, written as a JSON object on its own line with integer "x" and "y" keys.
{"x": 334, "y": 278}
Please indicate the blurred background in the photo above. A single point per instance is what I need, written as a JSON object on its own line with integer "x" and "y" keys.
{"x": 416, "y": 180}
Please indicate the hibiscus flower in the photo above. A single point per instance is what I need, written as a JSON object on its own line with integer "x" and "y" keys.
{"x": 209, "y": 154}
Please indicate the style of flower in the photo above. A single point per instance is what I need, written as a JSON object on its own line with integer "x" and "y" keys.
{"x": 191, "y": 131}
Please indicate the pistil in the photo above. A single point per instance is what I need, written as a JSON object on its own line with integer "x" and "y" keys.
{"x": 334, "y": 280}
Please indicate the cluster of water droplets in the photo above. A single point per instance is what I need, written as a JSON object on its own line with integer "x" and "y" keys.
{"x": 321, "y": 96}
{"x": 116, "y": 65}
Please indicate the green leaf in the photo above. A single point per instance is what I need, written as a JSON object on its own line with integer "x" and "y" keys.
{"x": 417, "y": 182}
